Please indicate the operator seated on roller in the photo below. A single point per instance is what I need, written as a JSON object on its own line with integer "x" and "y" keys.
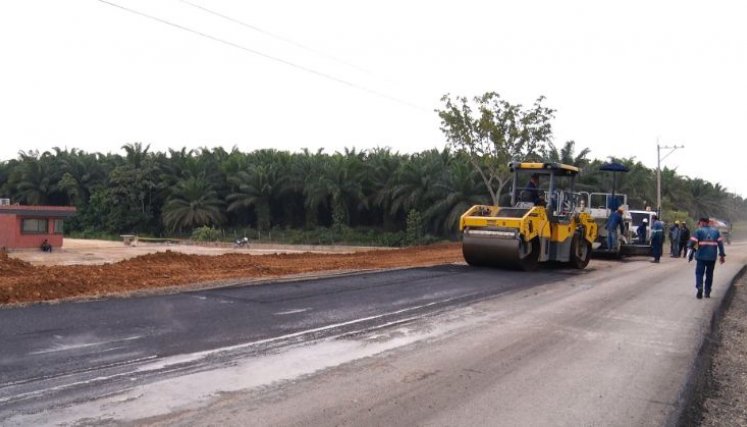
{"x": 533, "y": 189}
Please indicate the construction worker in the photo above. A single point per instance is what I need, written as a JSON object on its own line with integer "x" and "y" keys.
{"x": 674, "y": 239}
{"x": 708, "y": 241}
{"x": 641, "y": 232}
{"x": 533, "y": 189}
{"x": 657, "y": 238}
{"x": 684, "y": 238}
{"x": 614, "y": 222}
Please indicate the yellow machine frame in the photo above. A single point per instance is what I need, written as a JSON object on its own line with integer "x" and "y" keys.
{"x": 522, "y": 234}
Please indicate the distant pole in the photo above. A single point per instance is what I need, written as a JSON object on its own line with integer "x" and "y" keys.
{"x": 658, "y": 170}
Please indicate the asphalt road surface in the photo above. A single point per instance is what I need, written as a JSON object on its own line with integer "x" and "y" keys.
{"x": 615, "y": 344}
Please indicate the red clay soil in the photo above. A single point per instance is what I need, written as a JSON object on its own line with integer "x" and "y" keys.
{"x": 21, "y": 282}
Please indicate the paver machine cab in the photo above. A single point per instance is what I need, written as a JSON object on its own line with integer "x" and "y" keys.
{"x": 532, "y": 229}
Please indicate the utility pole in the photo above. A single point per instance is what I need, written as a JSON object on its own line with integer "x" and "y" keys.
{"x": 671, "y": 149}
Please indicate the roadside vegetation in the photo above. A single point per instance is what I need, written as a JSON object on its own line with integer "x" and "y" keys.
{"x": 377, "y": 196}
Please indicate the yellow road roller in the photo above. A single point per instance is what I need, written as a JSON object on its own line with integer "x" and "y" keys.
{"x": 541, "y": 223}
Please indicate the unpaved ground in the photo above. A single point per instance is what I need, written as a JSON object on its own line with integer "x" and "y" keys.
{"x": 106, "y": 269}
{"x": 83, "y": 251}
{"x": 724, "y": 398}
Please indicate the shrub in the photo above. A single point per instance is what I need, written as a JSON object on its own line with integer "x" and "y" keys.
{"x": 206, "y": 234}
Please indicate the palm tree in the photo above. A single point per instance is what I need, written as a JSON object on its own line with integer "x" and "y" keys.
{"x": 35, "y": 179}
{"x": 339, "y": 186}
{"x": 381, "y": 173}
{"x": 460, "y": 190}
{"x": 257, "y": 187}
{"x": 192, "y": 203}
{"x": 82, "y": 174}
{"x": 567, "y": 154}
{"x": 417, "y": 181}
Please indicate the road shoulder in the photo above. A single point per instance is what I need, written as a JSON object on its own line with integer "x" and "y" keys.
{"x": 719, "y": 396}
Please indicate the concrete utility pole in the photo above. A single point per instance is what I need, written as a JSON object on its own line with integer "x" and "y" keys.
{"x": 658, "y": 170}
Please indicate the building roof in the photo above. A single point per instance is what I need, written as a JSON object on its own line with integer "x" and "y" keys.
{"x": 38, "y": 211}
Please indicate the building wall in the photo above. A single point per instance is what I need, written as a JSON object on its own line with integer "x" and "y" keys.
{"x": 12, "y": 238}
{"x": 7, "y": 235}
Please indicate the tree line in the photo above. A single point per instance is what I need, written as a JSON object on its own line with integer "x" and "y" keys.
{"x": 379, "y": 190}
{"x": 177, "y": 191}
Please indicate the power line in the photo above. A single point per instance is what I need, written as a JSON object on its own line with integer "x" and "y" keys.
{"x": 266, "y": 56}
{"x": 276, "y": 36}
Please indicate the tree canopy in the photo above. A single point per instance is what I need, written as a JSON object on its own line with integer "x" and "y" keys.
{"x": 141, "y": 191}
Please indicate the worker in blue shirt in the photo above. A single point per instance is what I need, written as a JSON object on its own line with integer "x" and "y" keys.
{"x": 614, "y": 222}
{"x": 710, "y": 245}
{"x": 657, "y": 238}
{"x": 533, "y": 189}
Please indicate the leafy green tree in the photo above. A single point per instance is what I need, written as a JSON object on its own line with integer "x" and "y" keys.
{"x": 134, "y": 189}
{"x": 495, "y": 132}
{"x": 414, "y": 231}
{"x": 206, "y": 234}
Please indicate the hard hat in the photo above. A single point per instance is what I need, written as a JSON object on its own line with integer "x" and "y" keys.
{"x": 645, "y": 221}
{"x": 676, "y": 222}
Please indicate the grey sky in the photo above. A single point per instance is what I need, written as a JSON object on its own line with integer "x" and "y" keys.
{"x": 83, "y": 74}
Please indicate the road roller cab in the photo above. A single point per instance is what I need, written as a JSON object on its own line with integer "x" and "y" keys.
{"x": 540, "y": 224}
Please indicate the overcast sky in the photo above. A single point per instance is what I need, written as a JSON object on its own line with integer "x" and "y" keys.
{"x": 290, "y": 74}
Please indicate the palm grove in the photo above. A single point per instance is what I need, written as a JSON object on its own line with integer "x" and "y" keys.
{"x": 377, "y": 196}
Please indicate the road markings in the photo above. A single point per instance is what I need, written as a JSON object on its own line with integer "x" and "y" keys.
{"x": 298, "y": 310}
{"x": 66, "y": 347}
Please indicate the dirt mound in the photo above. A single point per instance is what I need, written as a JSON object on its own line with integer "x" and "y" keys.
{"x": 13, "y": 267}
{"x": 21, "y": 282}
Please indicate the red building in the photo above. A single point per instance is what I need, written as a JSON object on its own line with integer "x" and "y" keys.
{"x": 24, "y": 227}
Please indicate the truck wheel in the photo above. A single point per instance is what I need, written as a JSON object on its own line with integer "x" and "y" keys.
{"x": 580, "y": 252}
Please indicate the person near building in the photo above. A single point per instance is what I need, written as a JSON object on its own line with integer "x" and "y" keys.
{"x": 708, "y": 245}
{"x": 45, "y": 246}
{"x": 657, "y": 238}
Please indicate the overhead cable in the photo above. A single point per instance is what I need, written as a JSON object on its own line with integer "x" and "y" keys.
{"x": 266, "y": 56}
{"x": 275, "y": 36}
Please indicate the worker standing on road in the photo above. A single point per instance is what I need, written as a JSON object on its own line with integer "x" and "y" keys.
{"x": 657, "y": 238}
{"x": 684, "y": 238}
{"x": 674, "y": 239}
{"x": 708, "y": 241}
{"x": 614, "y": 222}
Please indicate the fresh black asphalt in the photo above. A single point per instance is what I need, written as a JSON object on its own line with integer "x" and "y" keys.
{"x": 56, "y": 348}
